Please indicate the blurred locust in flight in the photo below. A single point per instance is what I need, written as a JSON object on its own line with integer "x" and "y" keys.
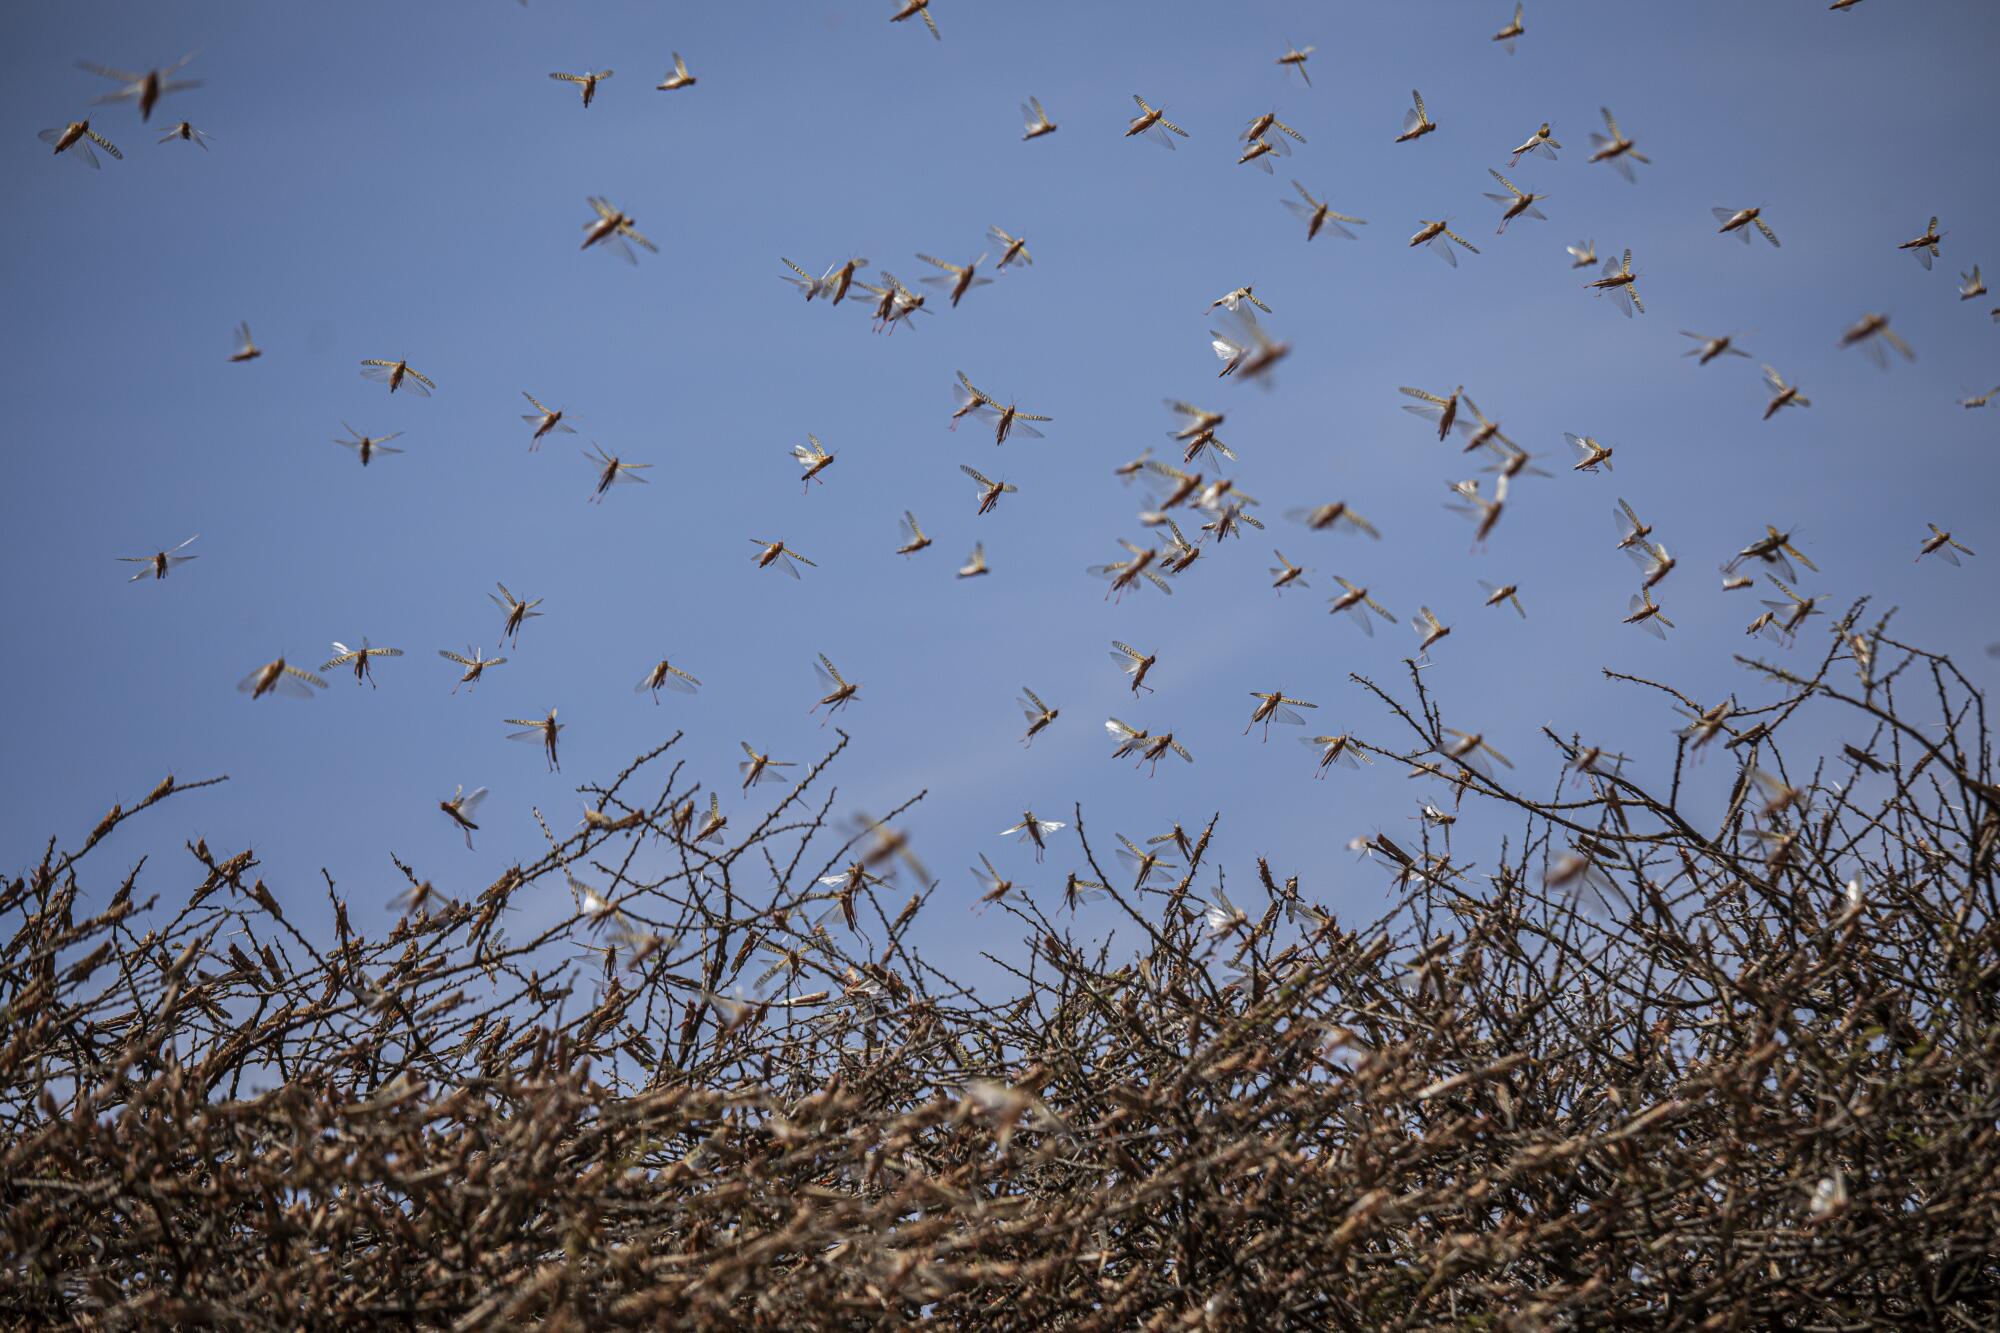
{"x": 917, "y": 9}
{"x": 1333, "y": 750}
{"x": 665, "y": 675}
{"x": 544, "y": 730}
{"x": 1006, "y": 419}
{"x": 1741, "y": 220}
{"x": 1618, "y": 279}
{"x": 612, "y": 471}
{"x": 1924, "y": 247}
{"x": 1156, "y": 748}
{"x": 1590, "y": 455}
{"x": 1294, "y": 61}
{"x": 1630, "y": 529}
{"x": 1035, "y": 121}
{"x": 246, "y": 347}
{"x": 1514, "y": 203}
{"x": 1276, "y": 707}
{"x": 1034, "y": 830}
{"x": 814, "y": 458}
{"x": 1011, "y": 248}
{"x": 679, "y": 78}
{"x": 1653, "y": 560}
{"x": 1428, "y": 629}
{"x": 1443, "y": 411}
{"x": 760, "y": 767}
{"x": 1337, "y": 515}
{"x": 958, "y": 279}
{"x": 460, "y": 809}
{"x": 1646, "y": 614}
{"x": 1541, "y": 143}
{"x": 989, "y": 491}
{"x": 1142, "y": 864}
{"x": 158, "y": 563}
{"x": 1232, "y": 300}
{"x": 1134, "y": 664}
{"x": 475, "y": 665}
{"x": 779, "y": 554}
{"x": 186, "y": 130}
{"x": 1154, "y": 124}
{"x": 1039, "y": 714}
{"x": 894, "y": 303}
{"x": 615, "y": 227}
{"x": 544, "y": 420}
{"x": 1782, "y": 394}
{"x": 1417, "y": 121}
{"x": 1260, "y": 126}
{"x": 1711, "y": 348}
{"x": 279, "y": 677}
{"x": 1485, "y": 434}
{"x": 587, "y": 82}
{"x": 145, "y": 89}
{"x": 367, "y": 446}
{"x": 914, "y": 539}
{"x": 1357, "y": 601}
{"x": 397, "y": 375}
{"x": 838, "y": 691}
{"x": 357, "y": 660}
{"x": 79, "y": 136}
{"x": 518, "y": 612}
{"x": 1315, "y": 213}
{"x": 1775, "y": 549}
{"x": 1940, "y": 541}
{"x": 1125, "y": 574}
{"x": 1496, "y": 594}
{"x": 1437, "y": 236}
{"x": 1869, "y": 333}
{"x": 1616, "y": 149}
{"x": 1285, "y": 574}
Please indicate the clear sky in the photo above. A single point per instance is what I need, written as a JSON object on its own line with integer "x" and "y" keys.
{"x": 396, "y": 180}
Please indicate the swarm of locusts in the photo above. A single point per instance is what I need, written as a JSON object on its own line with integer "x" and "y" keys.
{"x": 1702, "y": 1039}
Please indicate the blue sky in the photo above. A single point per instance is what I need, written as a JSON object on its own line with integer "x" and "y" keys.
{"x": 392, "y": 180}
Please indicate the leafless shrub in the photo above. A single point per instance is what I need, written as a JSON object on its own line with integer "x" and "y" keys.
{"x": 1645, "y": 1070}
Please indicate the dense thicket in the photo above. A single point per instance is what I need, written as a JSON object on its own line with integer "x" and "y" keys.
{"x": 1636, "y": 1069}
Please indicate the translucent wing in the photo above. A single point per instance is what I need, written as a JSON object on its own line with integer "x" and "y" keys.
{"x": 296, "y": 683}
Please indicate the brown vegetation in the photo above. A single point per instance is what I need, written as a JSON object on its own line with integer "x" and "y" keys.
{"x": 1639, "y": 1070}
